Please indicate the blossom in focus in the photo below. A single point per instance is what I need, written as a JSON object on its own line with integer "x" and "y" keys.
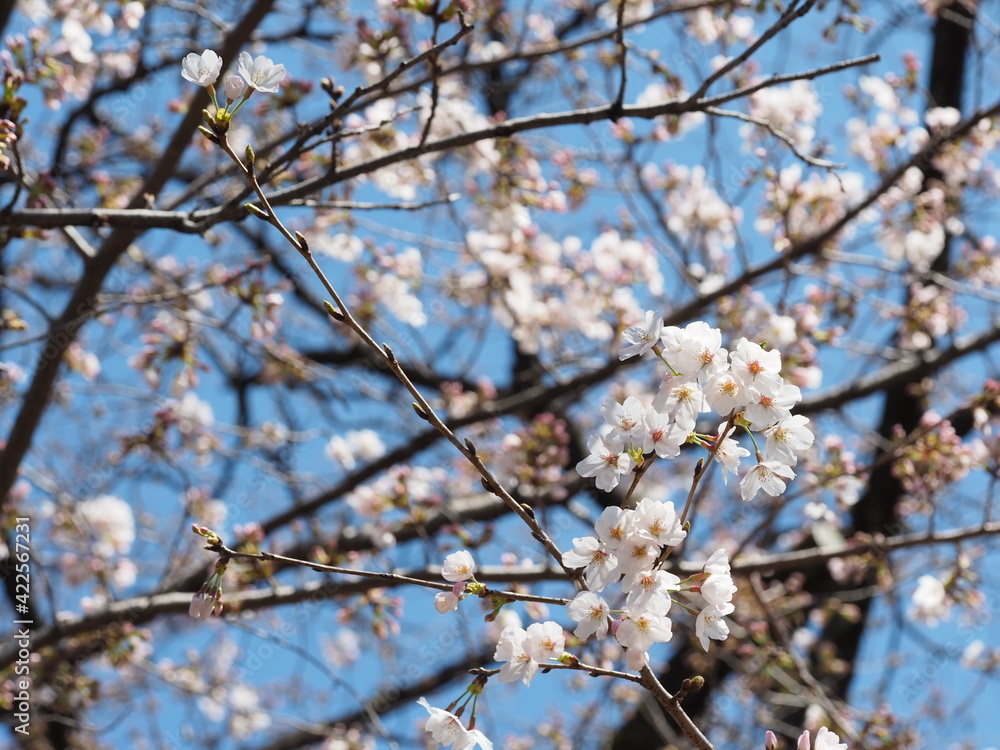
{"x": 729, "y": 453}
{"x": 658, "y": 521}
{"x": 261, "y": 73}
{"x": 511, "y": 650}
{"x": 458, "y": 566}
{"x": 600, "y": 562}
{"x": 642, "y": 339}
{"x": 766, "y": 476}
{"x": 640, "y": 630}
{"x": 544, "y": 641}
{"x": 607, "y": 461}
{"x": 711, "y": 623}
{"x": 203, "y": 69}
{"x": 757, "y": 368}
{"x": 788, "y": 439}
{"x": 626, "y": 418}
{"x": 591, "y": 612}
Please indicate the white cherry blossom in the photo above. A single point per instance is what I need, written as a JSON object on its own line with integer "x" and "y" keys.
{"x": 729, "y": 454}
{"x": 642, "y": 339}
{"x": 757, "y": 368}
{"x": 445, "y": 727}
{"x": 614, "y": 526}
{"x": 544, "y": 641}
{"x": 637, "y": 553}
{"x": 607, "y": 461}
{"x": 640, "y": 630}
{"x": 718, "y": 589}
{"x": 261, "y": 73}
{"x": 203, "y": 69}
{"x": 458, "y": 566}
{"x": 726, "y": 393}
{"x": 682, "y": 399}
{"x": 591, "y": 612}
{"x": 711, "y": 623}
{"x": 650, "y": 590}
{"x": 764, "y": 410}
{"x": 626, "y": 419}
{"x": 717, "y": 563}
{"x": 658, "y": 521}
{"x": 600, "y": 562}
{"x": 663, "y": 436}
{"x": 445, "y": 601}
{"x": 766, "y": 476}
{"x": 517, "y": 663}
{"x": 788, "y": 439}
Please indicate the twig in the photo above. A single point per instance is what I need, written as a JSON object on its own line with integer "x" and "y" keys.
{"x": 822, "y": 163}
{"x": 340, "y": 312}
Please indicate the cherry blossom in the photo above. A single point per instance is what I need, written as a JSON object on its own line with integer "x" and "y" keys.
{"x": 929, "y": 601}
{"x": 544, "y": 641}
{"x": 788, "y": 439}
{"x": 641, "y": 340}
{"x": 445, "y": 601}
{"x": 766, "y": 476}
{"x": 825, "y": 740}
{"x": 626, "y": 419}
{"x": 663, "y": 436}
{"x": 458, "y": 566}
{"x": 512, "y": 651}
{"x": 607, "y": 461}
{"x": 757, "y": 368}
{"x": 445, "y": 727}
{"x": 711, "y": 623}
{"x": 639, "y": 630}
{"x": 615, "y": 526}
{"x": 203, "y": 69}
{"x": 601, "y": 563}
{"x": 260, "y": 73}
{"x": 591, "y": 612}
{"x": 650, "y": 590}
{"x": 658, "y": 521}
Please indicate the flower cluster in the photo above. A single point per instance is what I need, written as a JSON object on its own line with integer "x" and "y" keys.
{"x": 459, "y": 568}
{"x": 254, "y": 74}
{"x": 209, "y": 596}
{"x": 628, "y": 549}
{"x": 744, "y": 387}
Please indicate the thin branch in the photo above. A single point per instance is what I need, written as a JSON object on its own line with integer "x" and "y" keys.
{"x": 780, "y": 134}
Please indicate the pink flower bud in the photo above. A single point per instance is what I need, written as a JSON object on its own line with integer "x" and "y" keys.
{"x": 770, "y": 740}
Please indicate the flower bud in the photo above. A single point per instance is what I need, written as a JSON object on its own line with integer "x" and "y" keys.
{"x": 235, "y": 87}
